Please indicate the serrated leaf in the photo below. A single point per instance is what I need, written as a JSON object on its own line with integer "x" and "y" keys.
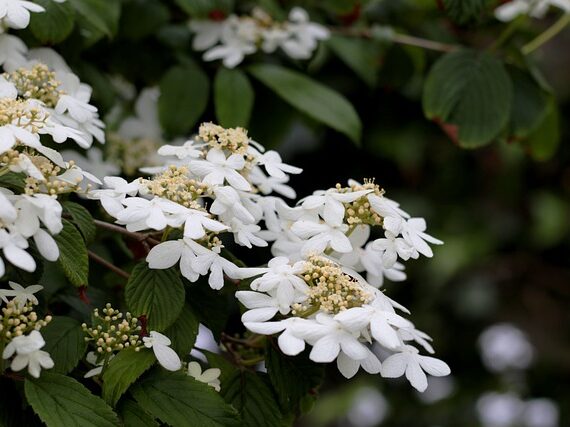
{"x": 254, "y": 400}
{"x": 233, "y": 97}
{"x": 101, "y": 15}
{"x": 157, "y": 294}
{"x": 175, "y": 399}
{"x": 183, "y": 331}
{"x": 472, "y": 91}
{"x": 292, "y": 377}
{"x": 64, "y": 342}
{"x": 61, "y": 401}
{"x": 184, "y": 92}
{"x": 123, "y": 370}
{"x": 544, "y": 140}
{"x": 312, "y": 98}
{"x": 72, "y": 254}
{"x": 362, "y": 56}
{"x": 55, "y": 24}
{"x": 529, "y": 106}
{"x": 135, "y": 416}
{"x": 82, "y": 219}
{"x": 463, "y": 11}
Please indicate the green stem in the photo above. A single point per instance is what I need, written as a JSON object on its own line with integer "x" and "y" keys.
{"x": 508, "y": 32}
{"x": 253, "y": 361}
{"x": 549, "y": 33}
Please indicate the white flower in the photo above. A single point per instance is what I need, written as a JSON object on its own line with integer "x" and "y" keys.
{"x": 92, "y": 359}
{"x": 290, "y": 341}
{"x": 410, "y": 362}
{"x": 21, "y": 295}
{"x": 261, "y": 307}
{"x": 304, "y": 34}
{"x": 349, "y": 366}
{"x": 145, "y": 123}
{"x": 207, "y": 33}
{"x": 228, "y": 202}
{"x": 238, "y": 39}
{"x": 28, "y": 353}
{"x": 535, "y": 8}
{"x": 269, "y": 184}
{"x": 245, "y": 234}
{"x": 209, "y": 376}
{"x": 117, "y": 190}
{"x": 167, "y": 254}
{"x": 413, "y": 232}
{"x": 328, "y": 337}
{"x": 93, "y": 162}
{"x": 216, "y": 169}
{"x": 391, "y": 247}
{"x": 160, "y": 345}
{"x": 211, "y": 260}
{"x": 275, "y": 167}
{"x": 16, "y": 13}
{"x": 504, "y": 346}
{"x": 320, "y": 236}
{"x": 157, "y": 214}
{"x": 12, "y": 51}
{"x": 13, "y": 245}
{"x": 188, "y": 149}
{"x": 330, "y": 204}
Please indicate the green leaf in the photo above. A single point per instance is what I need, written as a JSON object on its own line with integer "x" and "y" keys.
{"x": 226, "y": 368}
{"x": 292, "y": 377}
{"x": 362, "y": 56}
{"x": 529, "y": 106}
{"x": 177, "y": 399}
{"x": 82, "y": 219}
{"x": 64, "y": 342}
{"x": 202, "y": 8}
{"x": 123, "y": 370}
{"x": 157, "y": 294}
{"x": 233, "y": 98}
{"x": 254, "y": 400}
{"x": 72, "y": 254}
{"x": 209, "y": 306}
{"x": 544, "y": 140}
{"x": 184, "y": 331}
{"x": 142, "y": 18}
{"x": 312, "y": 98}
{"x": 13, "y": 180}
{"x": 61, "y": 401}
{"x": 472, "y": 91}
{"x": 135, "y": 416}
{"x": 99, "y": 15}
{"x": 463, "y": 11}
{"x": 184, "y": 92}
{"x": 55, "y": 24}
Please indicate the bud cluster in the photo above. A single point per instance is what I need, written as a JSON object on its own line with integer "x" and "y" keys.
{"x": 359, "y": 211}
{"x": 17, "y": 320}
{"x": 38, "y": 82}
{"x": 175, "y": 185}
{"x": 113, "y": 331}
{"x": 231, "y": 139}
{"x": 330, "y": 289}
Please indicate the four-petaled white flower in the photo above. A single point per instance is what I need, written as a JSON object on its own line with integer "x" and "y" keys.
{"x": 16, "y": 13}
{"x": 217, "y": 168}
{"x": 209, "y": 376}
{"x": 21, "y": 295}
{"x": 321, "y": 236}
{"x": 160, "y": 345}
{"x": 28, "y": 353}
{"x": 330, "y": 204}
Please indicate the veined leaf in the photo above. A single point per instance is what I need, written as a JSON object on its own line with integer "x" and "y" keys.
{"x": 82, "y": 219}
{"x": 72, "y": 254}
{"x": 471, "y": 91}
{"x": 135, "y": 416}
{"x": 183, "y": 331}
{"x": 157, "y": 294}
{"x": 55, "y": 24}
{"x": 101, "y": 15}
{"x": 61, "y": 401}
{"x": 177, "y": 399}
{"x": 312, "y": 98}
{"x": 64, "y": 342}
{"x": 123, "y": 370}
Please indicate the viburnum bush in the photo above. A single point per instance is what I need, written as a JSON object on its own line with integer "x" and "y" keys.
{"x": 115, "y": 256}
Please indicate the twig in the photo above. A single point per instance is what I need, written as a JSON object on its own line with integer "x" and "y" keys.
{"x": 400, "y": 39}
{"x": 140, "y": 237}
{"x": 549, "y": 33}
{"x": 108, "y": 265}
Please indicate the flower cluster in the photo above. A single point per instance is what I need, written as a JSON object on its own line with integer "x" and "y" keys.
{"x": 213, "y": 184}
{"x": 39, "y": 96}
{"x": 535, "y": 8}
{"x": 19, "y": 330}
{"x": 235, "y": 37}
{"x": 315, "y": 287}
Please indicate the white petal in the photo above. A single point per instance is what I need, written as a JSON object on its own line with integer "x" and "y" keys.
{"x": 325, "y": 350}
{"x": 347, "y": 366}
{"x": 415, "y": 375}
{"x": 290, "y": 344}
{"x": 167, "y": 357}
{"x": 433, "y": 366}
{"x": 394, "y": 366}
{"x": 165, "y": 255}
